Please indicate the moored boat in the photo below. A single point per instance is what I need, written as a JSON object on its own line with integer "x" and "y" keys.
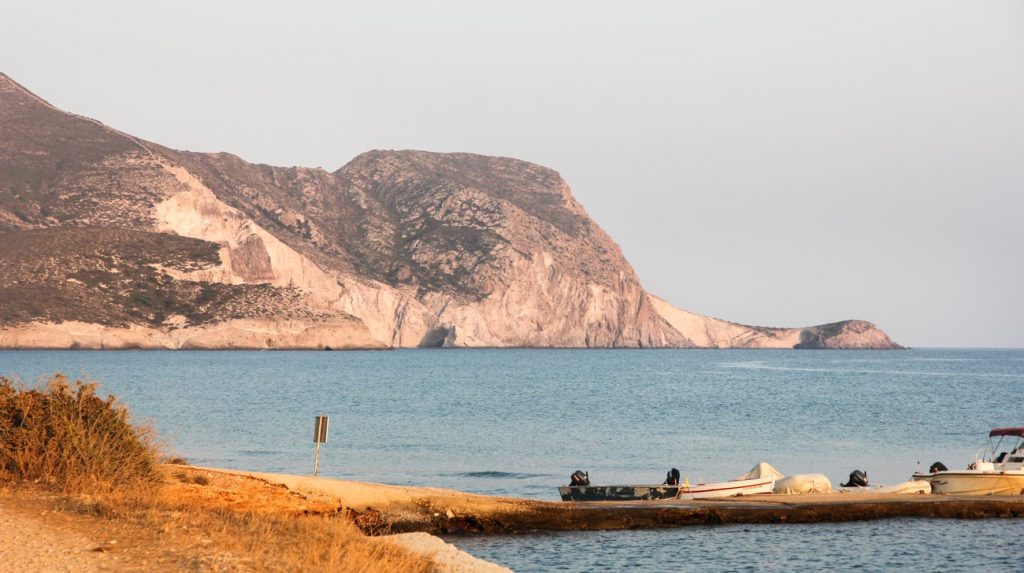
{"x": 728, "y": 488}
{"x": 990, "y": 473}
{"x": 655, "y": 492}
{"x": 618, "y": 492}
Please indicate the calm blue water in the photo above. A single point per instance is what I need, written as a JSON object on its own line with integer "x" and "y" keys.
{"x": 518, "y": 422}
{"x": 893, "y": 545}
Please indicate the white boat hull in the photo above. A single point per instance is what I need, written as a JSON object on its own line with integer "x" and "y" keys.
{"x": 727, "y": 489}
{"x": 974, "y": 482}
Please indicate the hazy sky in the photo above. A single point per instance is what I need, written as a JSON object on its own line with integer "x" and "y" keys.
{"x": 774, "y": 163}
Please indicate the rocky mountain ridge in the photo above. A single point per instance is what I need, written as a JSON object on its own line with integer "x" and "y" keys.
{"x": 111, "y": 241}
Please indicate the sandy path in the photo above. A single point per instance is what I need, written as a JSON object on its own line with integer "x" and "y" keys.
{"x": 34, "y": 540}
{"x": 37, "y": 536}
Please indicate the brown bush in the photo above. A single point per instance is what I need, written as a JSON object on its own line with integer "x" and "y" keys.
{"x": 63, "y": 434}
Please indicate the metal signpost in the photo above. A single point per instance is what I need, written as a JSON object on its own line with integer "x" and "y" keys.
{"x": 320, "y": 437}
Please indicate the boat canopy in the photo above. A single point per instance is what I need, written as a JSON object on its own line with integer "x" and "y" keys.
{"x": 1019, "y": 432}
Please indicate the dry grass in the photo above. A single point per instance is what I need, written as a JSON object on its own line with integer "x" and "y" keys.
{"x": 261, "y": 541}
{"x": 63, "y": 434}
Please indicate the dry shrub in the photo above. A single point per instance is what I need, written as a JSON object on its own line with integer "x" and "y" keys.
{"x": 196, "y": 478}
{"x": 63, "y": 434}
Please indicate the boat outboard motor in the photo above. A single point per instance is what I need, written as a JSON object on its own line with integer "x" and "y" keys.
{"x": 938, "y": 467}
{"x": 579, "y": 478}
{"x": 858, "y": 478}
{"x": 672, "y": 478}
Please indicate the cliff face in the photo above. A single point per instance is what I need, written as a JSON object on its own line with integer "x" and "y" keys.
{"x": 110, "y": 241}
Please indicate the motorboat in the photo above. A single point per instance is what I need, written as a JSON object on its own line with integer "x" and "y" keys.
{"x": 990, "y": 473}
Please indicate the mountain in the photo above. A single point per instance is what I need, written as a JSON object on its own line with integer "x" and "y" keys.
{"x": 108, "y": 241}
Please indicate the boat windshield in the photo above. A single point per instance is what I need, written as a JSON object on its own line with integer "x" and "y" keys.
{"x": 1013, "y": 451}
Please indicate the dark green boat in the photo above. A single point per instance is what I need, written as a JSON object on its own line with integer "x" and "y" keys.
{"x": 618, "y": 492}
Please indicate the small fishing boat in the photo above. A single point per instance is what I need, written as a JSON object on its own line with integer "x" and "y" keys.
{"x": 990, "y": 473}
{"x": 618, "y": 492}
{"x": 653, "y": 492}
{"x": 728, "y": 488}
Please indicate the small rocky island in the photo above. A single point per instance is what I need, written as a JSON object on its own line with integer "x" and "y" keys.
{"x": 108, "y": 241}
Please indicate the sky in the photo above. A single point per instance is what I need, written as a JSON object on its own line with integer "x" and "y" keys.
{"x": 771, "y": 163}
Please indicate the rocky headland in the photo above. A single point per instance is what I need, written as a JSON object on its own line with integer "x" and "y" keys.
{"x": 108, "y": 241}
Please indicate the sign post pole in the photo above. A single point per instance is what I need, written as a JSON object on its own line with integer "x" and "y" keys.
{"x": 320, "y": 437}
{"x": 316, "y": 460}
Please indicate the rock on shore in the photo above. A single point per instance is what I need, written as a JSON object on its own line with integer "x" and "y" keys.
{"x": 108, "y": 241}
{"x": 445, "y": 556}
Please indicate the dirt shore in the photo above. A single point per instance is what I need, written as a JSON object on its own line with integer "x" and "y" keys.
{"x": 46, "y": 531}
{"x": 380, "y": 508}
{"x": 204, "y": 520}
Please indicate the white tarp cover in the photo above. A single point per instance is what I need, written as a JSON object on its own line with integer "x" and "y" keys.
{"x": 762, "y": 470}
{"x": 803, "y": 483}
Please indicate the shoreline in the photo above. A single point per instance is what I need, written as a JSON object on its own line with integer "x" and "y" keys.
{"x": 231, "y": 517}
{"x": 297, "y": 334}
{"x": 157, "y": 348}
{"x": 375, "y": 508}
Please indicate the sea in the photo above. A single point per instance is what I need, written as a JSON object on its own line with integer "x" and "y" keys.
{"x": 518, "y": 422}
